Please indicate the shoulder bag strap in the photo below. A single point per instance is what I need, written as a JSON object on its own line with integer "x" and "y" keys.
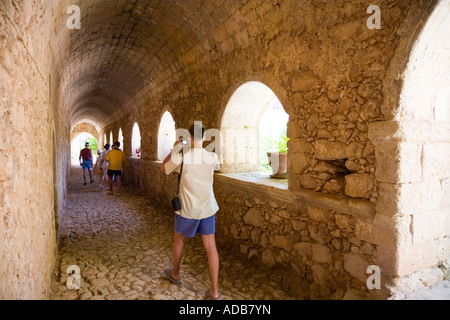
{"x": 181, "y": 172}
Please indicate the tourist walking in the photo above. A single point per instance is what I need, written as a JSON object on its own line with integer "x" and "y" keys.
{"x": 103, "y": 165}
{"x": 86, "y": 160}
{"x": 115, "y": 158}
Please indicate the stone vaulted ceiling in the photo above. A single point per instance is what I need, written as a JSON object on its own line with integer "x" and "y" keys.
{"x": 124, "y": 46}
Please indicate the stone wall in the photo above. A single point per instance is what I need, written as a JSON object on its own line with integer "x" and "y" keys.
{"x": 33, "y": 153}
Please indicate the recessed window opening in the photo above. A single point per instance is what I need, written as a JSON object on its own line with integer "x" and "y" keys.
{"x": 254, "y": 124}
{"x": 166, "y": 135}
{"x": 136, "y": 142}
{"x": 121, "y": 138}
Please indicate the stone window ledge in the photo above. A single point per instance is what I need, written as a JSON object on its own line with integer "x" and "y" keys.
{"x": 277, "y": 189}
{"x": 258, "y": 178}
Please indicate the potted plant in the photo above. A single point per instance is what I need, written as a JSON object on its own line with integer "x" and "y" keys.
{"x": 278, "y": 159}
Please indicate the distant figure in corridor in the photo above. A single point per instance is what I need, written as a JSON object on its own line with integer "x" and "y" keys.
{"x": 116, "y": 158}
{"x": 103, "y": 165}
{"x": 86, "y": 160}
{"x": 198, "y": 203}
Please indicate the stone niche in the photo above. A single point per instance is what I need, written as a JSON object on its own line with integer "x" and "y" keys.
{"x": 340, "y": 168}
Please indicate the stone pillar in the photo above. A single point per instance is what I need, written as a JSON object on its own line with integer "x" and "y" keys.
{"x": 411, "y": 222}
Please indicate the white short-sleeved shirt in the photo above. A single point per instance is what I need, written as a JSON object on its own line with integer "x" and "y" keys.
{"x": 196, "y": 186}
{"x": 102, "y": 157}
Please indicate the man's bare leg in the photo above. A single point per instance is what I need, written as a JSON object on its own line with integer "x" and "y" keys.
{"x": 209, "y": 241}
{"x": 178, "y": 246}
{"x": 119, "y": 183}
{"x": 110, "y": 184}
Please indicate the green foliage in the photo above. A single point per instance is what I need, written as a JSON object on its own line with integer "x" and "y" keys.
{"x": 282, "y": 144}
{"x": 93, "y": 145}
{"x": 271, "y": 143}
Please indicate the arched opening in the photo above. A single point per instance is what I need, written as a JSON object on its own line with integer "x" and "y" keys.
{"x": 78, "y": 143}
{"x": 120, "y": 138}
{"x": 111, "y": 139}
{"x": 254, "y": 124}
{"x": 105, "y": 140}
{"x": 136, "y": 142}
{"x": 166, "y": 135}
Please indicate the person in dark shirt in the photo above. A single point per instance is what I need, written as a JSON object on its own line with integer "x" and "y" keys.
{"x": 86, "y": 160}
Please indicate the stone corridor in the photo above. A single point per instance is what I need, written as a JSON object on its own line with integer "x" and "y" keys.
{"x": 353, "y": 97}
{"x": 122, "y": 245}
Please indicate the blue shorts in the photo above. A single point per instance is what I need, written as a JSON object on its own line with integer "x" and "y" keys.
{"x": 87, "y": 164}
{"x": 190, "y": 227}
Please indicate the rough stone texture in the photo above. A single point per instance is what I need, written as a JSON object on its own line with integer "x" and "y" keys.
{"x": 368, "y": 115}
{"x": 28, "y": 204}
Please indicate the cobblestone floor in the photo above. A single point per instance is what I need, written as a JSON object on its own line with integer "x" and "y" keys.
{"x": 122, "y": 245}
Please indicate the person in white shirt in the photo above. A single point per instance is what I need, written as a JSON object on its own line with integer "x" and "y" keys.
{"x": 103, "y": 165}
{"x": 198, "y": 204}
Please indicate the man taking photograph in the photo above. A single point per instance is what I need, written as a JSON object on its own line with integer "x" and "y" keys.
{"x": 198, "y": 204}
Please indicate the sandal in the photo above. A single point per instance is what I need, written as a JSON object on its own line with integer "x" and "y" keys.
{"x": 209, "y": 295}
{"x": 110, "y": 192}
{"x": 168, "y": 274}
{"x": 117, "y": 194}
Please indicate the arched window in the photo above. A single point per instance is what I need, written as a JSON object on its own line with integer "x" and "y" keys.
{"x": 166, "y": 135}
{"x": 121, "y": 138}
{"x": 105, "y": 140}
{"x": 136, "y": 142}
{"x": 111, "y": 141}
{"x": 254, "y": 124}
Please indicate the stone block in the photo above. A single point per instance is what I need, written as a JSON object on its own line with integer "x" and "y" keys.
{"x": 268, "y": 258}
{"x": 398, "y": 162}
{"x": 297, "y": 162}
{"x": 427, "y": 226}
{"x": 321, "y": 253}
{"x": 327, "y": 150}
{"x": 359, "y": 185}
{"x": 319, "y": 214}
{"x": 254, "y": 217}
{"x": 282, "y": 242}
{"x": 320, "y": 275}
{"x": 436, "y": 160}
{"x": 308, "y": 182}
{"x": 343, "y": 221}
{"x": 305, "y": 81}
{"x": 334, "y": 185}
{"x": 410, "y": 198}
{"x": 303, "y": 248}
{"x": 356, "y": 266}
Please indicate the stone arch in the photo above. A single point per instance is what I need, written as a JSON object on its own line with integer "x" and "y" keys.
{"x": 412, "y": 148}
{"x": 84, "y": 127}
{"x": 239, "y": 126}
